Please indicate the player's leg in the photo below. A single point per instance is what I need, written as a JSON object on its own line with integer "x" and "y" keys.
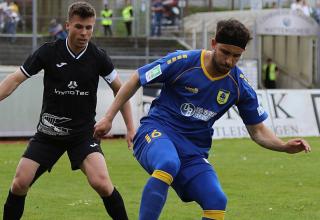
{"x": 160, "y": 158}
{"x": 14, "y": 205}
{"x": 39, "y": 157}
{"x": 95, "y": 169}
{"x": 105, "y": 30}
{"x": 88, "y": 156}
{"x": 197, "y": 181}
{"x": 206, "y": 190}
{"x": 109, "y": 30}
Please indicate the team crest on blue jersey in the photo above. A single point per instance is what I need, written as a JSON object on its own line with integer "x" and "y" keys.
{"x": 153, "y": 73}
{"x": 223, "y": 96}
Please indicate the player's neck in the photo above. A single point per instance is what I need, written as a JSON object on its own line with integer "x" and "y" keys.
{"x": 213, "y": 72}
{"x": 74, "y": 49}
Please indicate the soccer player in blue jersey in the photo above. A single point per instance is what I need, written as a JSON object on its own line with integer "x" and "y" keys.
{"x": 173, "y": 140}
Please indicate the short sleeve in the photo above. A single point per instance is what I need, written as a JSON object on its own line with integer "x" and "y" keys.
{"x": 164, "y": 69}
{"x": 249, "y": 107}
{"x": 35, "y": 62}
{"x": 107, "y": 72}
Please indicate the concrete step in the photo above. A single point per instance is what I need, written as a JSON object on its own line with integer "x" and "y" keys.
{"x": 125, "y": 52}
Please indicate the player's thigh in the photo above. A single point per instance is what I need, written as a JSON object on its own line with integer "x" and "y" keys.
{"x": 155, "y": 151}
{"x": 95, "y": 168}
{"x": 25, "y": 172}
{"x": 78, "y": 151}
{"x": 205, "y": 189}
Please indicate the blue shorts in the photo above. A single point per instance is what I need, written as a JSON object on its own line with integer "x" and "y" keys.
{"x": 151, "y": 136}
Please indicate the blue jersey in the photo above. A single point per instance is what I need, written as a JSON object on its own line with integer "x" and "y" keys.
{"x": 191, "y": 100}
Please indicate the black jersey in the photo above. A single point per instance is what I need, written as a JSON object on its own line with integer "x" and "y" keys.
{"x": 70, "y": 86}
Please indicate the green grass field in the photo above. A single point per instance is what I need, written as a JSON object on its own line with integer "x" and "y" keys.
{"x": 260, "y": 184}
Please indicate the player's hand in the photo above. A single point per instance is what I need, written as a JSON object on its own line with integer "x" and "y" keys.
{"x": 129, "y": 138}
{"x": 102, "y": 127}
{"x": 297, "y": 145}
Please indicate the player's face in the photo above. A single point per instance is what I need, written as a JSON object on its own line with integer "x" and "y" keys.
{"x": 79, "y": 31}
{"x": 225, "y": 56}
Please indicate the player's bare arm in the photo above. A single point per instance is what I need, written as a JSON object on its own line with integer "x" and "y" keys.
{"x": 103, "y": 126}
{"x": 125, "y": 111}
{"x": 10, "y": 83}
{"x": 263, "y": 136}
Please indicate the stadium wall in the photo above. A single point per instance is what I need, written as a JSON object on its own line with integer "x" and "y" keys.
{"x": 19, "y": 113}
{"x": 291, "y": 112}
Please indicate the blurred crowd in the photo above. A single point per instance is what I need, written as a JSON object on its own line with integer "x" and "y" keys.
{"x": 303, "y": 7}
{"x": 164, "y": 13}
{"x": 9, "y": 17}
{"x": 56, "y": 30}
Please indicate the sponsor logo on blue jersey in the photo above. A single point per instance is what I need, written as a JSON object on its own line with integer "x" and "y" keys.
{"x": 192, "y": 90}
{"x": 189, "y": 110}
{"x": 153, "y": 73}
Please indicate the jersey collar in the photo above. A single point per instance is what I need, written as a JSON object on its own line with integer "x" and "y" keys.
{"x": 74, "y": 55}
{"x": 206, "y": 73}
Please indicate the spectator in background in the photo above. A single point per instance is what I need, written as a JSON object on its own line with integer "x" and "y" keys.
{"x": 127, "y": 15}
{"x": 56, "y": 30}
{"x": 106, "y": 21}
{"x": 13, "y": 6}
{"x": 301, "y": 6}
{"x": 297, "y": 6}
{"x": 274, "y": 5}
{"x": 270, "y": 72}
{"x": 11, "y": 21}
{"x": 306, "y": 9}
{"x": 316, "y": 12}
{"x": 157, "y": 11}
{"x": 2, "y": 20}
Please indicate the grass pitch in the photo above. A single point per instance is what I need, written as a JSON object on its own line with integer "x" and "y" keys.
{"x": 260, "y": 184}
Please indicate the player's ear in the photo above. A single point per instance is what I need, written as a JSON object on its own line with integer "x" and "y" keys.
{"x": 213, "y": 43}
{"x": 67, "y": 24}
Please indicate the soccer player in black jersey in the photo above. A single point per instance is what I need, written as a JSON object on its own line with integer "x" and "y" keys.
{"x": 71, "y": 74}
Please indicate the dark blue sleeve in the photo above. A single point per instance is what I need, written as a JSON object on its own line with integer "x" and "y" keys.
{"x": 163, "y": 70}
{"x": 249, "y": 107}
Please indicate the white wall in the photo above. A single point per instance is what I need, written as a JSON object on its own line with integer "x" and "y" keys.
{"x": 19, "y": 113}
{"x": 291, "y": 112}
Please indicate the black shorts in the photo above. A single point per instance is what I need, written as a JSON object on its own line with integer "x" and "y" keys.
{"x": 46, "y": 151}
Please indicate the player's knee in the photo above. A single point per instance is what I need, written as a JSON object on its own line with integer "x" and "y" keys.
{"x": 101, "y": 184}
{"x": 216, "y": 200}
{"x": 167, "y": 171}
{"x": 169, "y": 166}
{"x": 20, "y": 186}
{"x": 222, "y": 200}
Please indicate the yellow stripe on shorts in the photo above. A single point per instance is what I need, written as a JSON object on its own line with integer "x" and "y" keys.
{"x": 163, "y": 176}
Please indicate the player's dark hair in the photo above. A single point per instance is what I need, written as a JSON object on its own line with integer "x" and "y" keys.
{"x": 232, "y": 32}
{"x": 82, "y": 9}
